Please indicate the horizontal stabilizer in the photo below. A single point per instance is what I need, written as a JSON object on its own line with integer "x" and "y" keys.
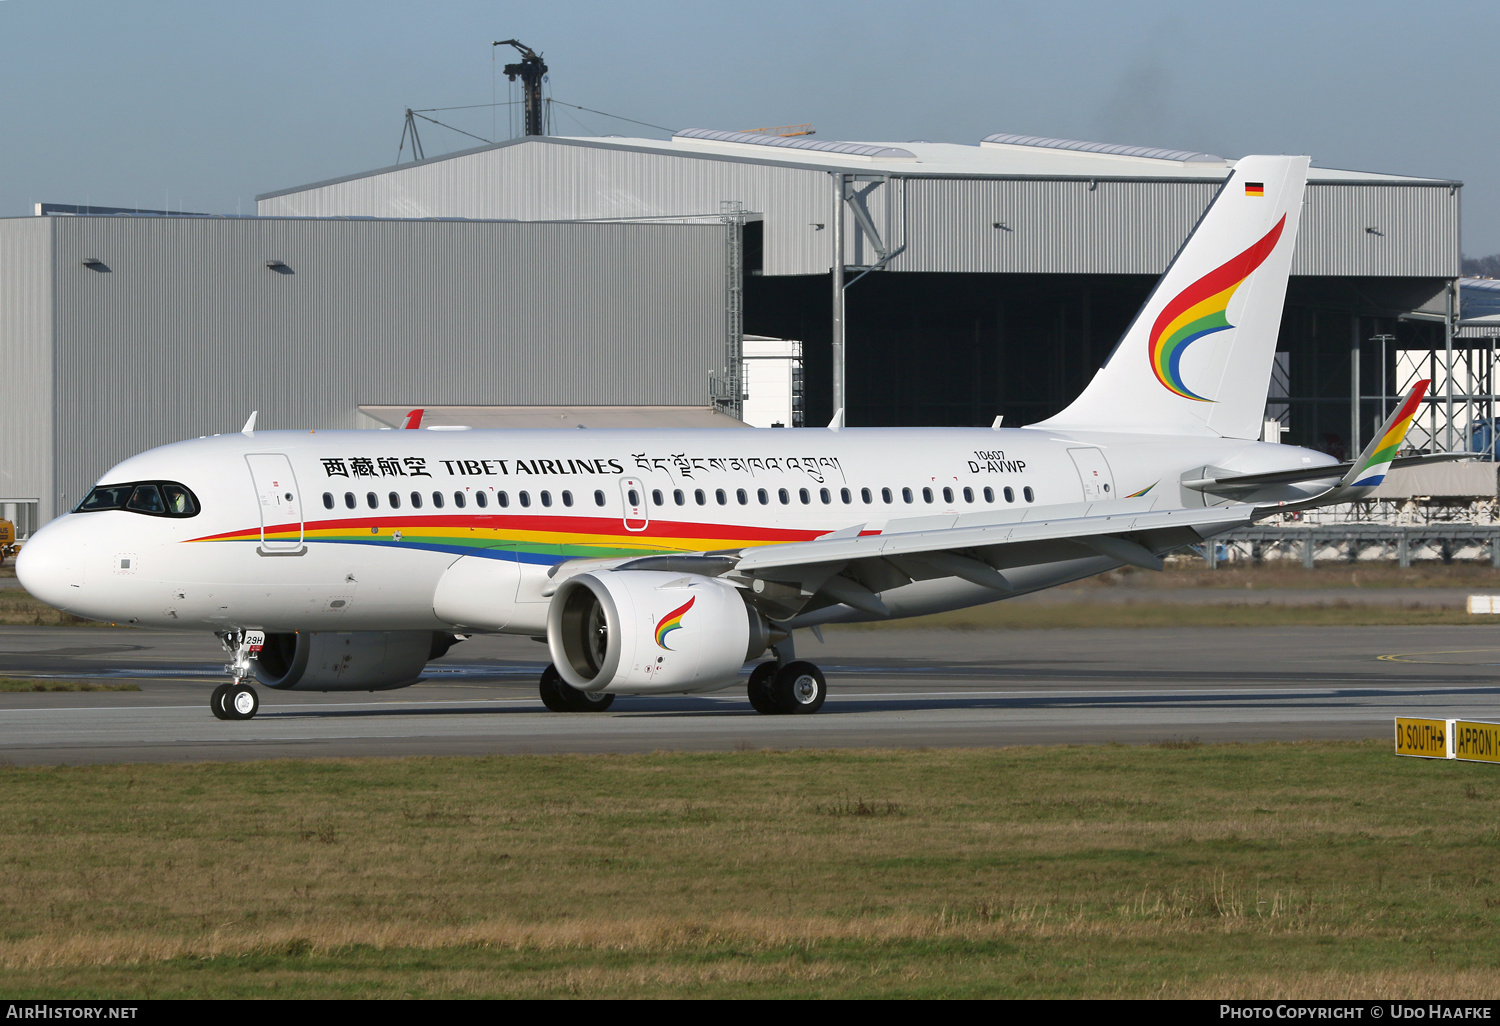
{"x": 1331, "y": 472}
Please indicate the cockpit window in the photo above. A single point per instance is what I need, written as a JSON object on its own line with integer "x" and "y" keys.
{"x": 154, "y": 498}
{"x": 146, "y": 499}
{"x": 105, "y": 497}
{"x": 180, "y": 501}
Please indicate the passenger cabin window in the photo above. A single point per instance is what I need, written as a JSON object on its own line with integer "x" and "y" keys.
{"x": 743, "y": 496}
{"x": 1030, "y": 495}
{"x": 721, "y": 496}
{"x": 567, "y": 498}
{"x": 481, "y": 499}
{"x": 864, "y": 494}
{"x": 784, "y": 496}
{"x": 825, "y": 495}
{"x": 153, "y": 498}
{"x": 926, "y": 494}
{"x": 524, "y": 498}
{"x": 906, "y": 494}
{"x": 1010, "y": 496}
{"x": 395, "y": 498}
{"x": 764, "y": 496}
{"x": 372, "y": 500}
{"x": 416, "y": 500}
{"x": 349, "y": 500}
{"x": 699, "y": 497}
{"x": 678, "y": 497}
{"x": 503, "y": 499}
{"x": 846, "y": 496}
{"x": 437, "y": 500}
{"x": 598, "y": 497}
{"x": 328, "y": 500}
{"x": 656, "y": 497}
{"x": 989, "y": 494}
{"x": 546, "y": 497}
{"x": 948, "y": 496}
{"x": 458, "y": 500}
{"x": 633, "y": 495}
{"x": 802, "y": 494}
{"x": 885, "y": 493}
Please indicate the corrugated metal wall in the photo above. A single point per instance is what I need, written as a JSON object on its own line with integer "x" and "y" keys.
{"x": 26, "y": 362}
{"x": 189, "y": 330}
{"x": 552, "y": 180}
{"x": 1416, "y": 231}
{"x": 943, "y": 223}
{"x": 1049, "y": 227}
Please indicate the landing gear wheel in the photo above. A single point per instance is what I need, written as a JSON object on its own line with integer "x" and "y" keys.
{"x": 560, "y": 696}
{"x": 762, "y": 680}
{"x": 241, "y": 702}
{"x": 217, "y": 704}
{"x": 799, "y": 688}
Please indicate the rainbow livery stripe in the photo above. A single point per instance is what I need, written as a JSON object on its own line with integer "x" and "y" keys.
{"x": 1373, "y": 472}
{"x": 1199, "y": 310}
{"x": 671, "y": 622}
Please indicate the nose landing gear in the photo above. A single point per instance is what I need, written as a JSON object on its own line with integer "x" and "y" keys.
{"x": 237, "y": 700}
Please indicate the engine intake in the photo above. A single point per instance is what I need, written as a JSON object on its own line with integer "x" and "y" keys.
{"x": 650, "y": 632}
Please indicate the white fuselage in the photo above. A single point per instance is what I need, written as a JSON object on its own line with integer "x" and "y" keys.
{"x": 354, "y": 530}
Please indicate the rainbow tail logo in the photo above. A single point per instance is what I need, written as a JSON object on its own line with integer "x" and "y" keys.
{"x": 671, "y": 622}
{"x": 1369, "y": 470}
{"x": 1201, "y": 309}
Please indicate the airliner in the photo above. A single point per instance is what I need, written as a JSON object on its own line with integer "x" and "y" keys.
{"x": 663, "y": 561}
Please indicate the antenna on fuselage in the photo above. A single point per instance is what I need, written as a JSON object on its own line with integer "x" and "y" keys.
{"x": 249, "y": 428}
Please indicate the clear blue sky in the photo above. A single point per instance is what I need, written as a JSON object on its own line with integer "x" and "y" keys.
{"x": 203, "y": 104}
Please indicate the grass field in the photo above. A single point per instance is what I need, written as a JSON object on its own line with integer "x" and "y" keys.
{"x": 1148, "y": 612}
{"x": 12, "y": 685}
{"x": 1311, "y": 870}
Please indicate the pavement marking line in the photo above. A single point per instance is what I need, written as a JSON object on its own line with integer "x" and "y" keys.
{"x": 1405, "y": 657}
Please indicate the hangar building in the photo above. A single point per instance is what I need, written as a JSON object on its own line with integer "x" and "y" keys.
{"x": 1000, "y": 273}
{"x": 121, "y": 333}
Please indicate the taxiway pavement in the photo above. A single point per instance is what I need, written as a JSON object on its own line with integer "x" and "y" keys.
{"x": 887, "y": 687}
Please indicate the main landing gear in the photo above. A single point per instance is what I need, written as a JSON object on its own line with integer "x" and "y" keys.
{"x": 794, "y": 687}
{"x": 237, "y": 700}
{"x": 560, "y": 696}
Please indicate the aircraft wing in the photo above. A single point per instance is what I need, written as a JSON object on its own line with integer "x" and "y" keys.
{"x": 854, "y": 566}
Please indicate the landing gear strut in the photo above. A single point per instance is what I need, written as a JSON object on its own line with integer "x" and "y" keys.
{"x": 795, "y": 687}
{"x": 560, "y": 696}
{"x": 237, "y": 700}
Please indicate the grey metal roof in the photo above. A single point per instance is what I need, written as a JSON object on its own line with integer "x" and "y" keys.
{"x": 1479, "y": 301}
{"x": 1149, "y": 152}
{"x": 852, "y": 149}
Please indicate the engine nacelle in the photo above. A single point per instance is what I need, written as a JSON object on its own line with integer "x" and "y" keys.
{"x": 648, "y": 632}
{"x": 347, "y": 660}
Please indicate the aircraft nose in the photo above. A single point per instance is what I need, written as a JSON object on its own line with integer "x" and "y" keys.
{"x": 50, "y": 565}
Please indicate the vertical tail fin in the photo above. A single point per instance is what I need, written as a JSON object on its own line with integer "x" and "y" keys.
{"x": 1197, "y": 358}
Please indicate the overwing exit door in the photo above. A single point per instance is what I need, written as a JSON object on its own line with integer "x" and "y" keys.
{"x": 1094, "y": 472}
{"x": 281, "y": 526}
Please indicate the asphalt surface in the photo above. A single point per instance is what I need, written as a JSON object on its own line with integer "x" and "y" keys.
{"x": 889, "y": 687}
